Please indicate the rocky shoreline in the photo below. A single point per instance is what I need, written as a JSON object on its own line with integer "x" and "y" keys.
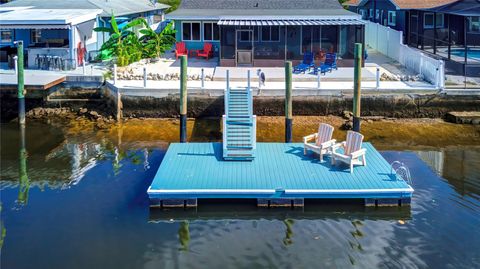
{"x": 64, "y": 113}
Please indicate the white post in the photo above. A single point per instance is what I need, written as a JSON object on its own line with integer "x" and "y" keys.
{"x": 114, "y": 74}
{"x": 15, "y": 61}
{"x": 203, "y": 79}
{"x": 319, "y": 74}
{"x": 377, "y": 86}
{"x": 144, "y": 76}
{"x": 248, "y": 79}
{"x": 228, "y": 79}
{"x": 259, "y": 80}
{"x": 83, "y": 67}
{"x": 420, "y": 71}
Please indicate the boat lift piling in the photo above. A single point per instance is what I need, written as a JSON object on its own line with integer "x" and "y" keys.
{"x": 183, "y": 99}
{"x": 357, "y": 86}
{"x": 288, "y": 102}
{"x": 20, "y": 83}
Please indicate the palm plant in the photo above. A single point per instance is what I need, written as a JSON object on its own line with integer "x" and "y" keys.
{"x": 156, "y": 44}
{"x": 123, "y": 43}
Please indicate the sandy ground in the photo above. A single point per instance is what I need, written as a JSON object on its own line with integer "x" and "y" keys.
{"x": 385, "y": 134}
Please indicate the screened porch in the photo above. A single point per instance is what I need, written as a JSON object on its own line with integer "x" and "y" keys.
{"x": 271, "y": 43}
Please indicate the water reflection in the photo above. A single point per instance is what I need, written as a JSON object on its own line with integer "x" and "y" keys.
{"x": 184, "y": 235}
{"x": 288, "y": 240}
{"x": 24, "y": 182}
{"x": 81, "y": 212}
{"x": 459, "y": 166}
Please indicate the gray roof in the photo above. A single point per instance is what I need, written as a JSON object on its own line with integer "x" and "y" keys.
{"x": 119, "y": 7}
{"x": 215, "y": 9}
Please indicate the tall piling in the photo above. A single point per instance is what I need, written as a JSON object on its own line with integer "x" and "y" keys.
{"x": 288, "y": 102}
{"x": 183, "y": 99}
{"x": 20, "y": 83}
{"x": 357, "y": 86}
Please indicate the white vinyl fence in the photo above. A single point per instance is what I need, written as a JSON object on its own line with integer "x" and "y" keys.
{"x": 389, "y": 42}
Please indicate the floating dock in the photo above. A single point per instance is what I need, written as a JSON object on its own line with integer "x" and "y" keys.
{"x": 279, "y": 176}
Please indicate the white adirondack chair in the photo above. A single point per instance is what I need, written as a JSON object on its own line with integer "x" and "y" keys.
{"x": 353, "y": 153}
{"x": 322, "y": 141}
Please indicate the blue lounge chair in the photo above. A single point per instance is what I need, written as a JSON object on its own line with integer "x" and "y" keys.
{"x": 329, "y": 64}
{"x": 306, "y": 64}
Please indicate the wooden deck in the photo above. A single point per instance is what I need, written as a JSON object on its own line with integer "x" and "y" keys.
{"x": 280, "y": 175}
{"x": 33, "y": 81}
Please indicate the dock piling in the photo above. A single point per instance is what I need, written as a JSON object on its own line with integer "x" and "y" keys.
{"x": 114, "y": 74}
{"x": 288, "y": 102}
{"x": 20, "y": 83}
{"x": 377, "y": 86}
{"x": 357, "y": 84}
{"x": 183, "y": 99}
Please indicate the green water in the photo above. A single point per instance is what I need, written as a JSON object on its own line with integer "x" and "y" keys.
{"x": 77, "y": 199}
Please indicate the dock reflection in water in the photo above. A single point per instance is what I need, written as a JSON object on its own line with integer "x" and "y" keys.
{"x": 87, "y": 207}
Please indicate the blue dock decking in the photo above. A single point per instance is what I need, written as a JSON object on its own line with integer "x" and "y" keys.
{"x": 279, "y": 171}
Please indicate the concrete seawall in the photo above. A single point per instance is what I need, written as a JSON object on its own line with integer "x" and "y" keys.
{"x": 398, "y": 106}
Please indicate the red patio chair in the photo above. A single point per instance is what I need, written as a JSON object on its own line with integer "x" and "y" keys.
{"x": 206, "y": 52}
{"x": 180, "y": 49}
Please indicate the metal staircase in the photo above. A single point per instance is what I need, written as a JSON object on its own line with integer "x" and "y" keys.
{"x": 239, "y": 125}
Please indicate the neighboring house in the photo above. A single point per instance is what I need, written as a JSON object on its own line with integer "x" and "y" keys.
{"x": 60, "y": 27}
{"x": 443, "y": 28}
{"x": 267, "y": 33}
{"x": 391, "y": 13}
{"x": 450, "y": 31}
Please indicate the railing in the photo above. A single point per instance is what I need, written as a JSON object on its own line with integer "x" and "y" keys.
{"x": 401, "y": 171}
{"x": 389, "y": 42}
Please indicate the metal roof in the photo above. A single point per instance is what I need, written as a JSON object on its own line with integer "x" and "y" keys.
{"x": 461, "y": 8}
{"x": 119, "y": 7}
{"x": 216, "y": 14}
{"x": 290, "y": 22}
{"x": 47, "y": 17}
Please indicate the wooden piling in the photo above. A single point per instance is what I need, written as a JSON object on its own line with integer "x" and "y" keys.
{"x": 288, "y": 102}
{"x": 183, "y": 99}
{"x": 21, "y": 83}
{"x": 357, "y": 84}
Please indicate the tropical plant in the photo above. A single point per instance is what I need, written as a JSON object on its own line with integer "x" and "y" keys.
{"x": 155, "y": 44}
{"x": 128, "y": 47}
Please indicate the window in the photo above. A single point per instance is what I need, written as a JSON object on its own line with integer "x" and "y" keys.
{"x": 377, "y": 14}
{"x": 211, "y": 31}
{"x": 245, "y": 36}
{"x": 270, "y": 34}
{"x": 474, "y": 24}
{"x": 428, "y": 20}
{"x": 392, "y": 18}
{"x": 6, "y": 36}
{"x": 36, "y": 35}
{"x": 191, "y": 31}
{"x": 363, "y": 12}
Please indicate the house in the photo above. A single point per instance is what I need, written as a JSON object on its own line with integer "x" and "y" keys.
{"x": 64, "y": 28}
{"x": 391, "y": 13}
{"x": 446, "y": 29}
{"x": 267, "y": 33}
{"x": 451, "y": 32}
